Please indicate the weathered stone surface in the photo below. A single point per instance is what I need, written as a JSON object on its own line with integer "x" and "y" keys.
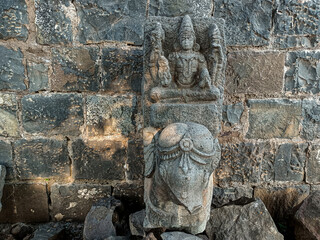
{"x": 136, "y": 223}
{"x": 13, "y": 20}
{"x": 38, "y": 76}
{"x": 52, "y": 113}
{"x": 254, "y": 72}
{"x": 208, "y": 115}
{"x": 121, "y": 69}
{"x": 313, "y": 165}
{"x": 223, "y": 196}
{"x": 290, "y": 162}
{"x": 9, "y": 125}
{"x": 73, "y": 201}
{"x": 52, "y": 21}
{"x": 2, "y": 180}
{"x": 178, "y": 236}
{"x": 6, "y": 158}
{"x": 75, "y": 69}
{"x": 117, "y": 20}
{"x": 131, "y": 195}
{"x": 245, "y": 163}
{"x": 98, "y": 223}
{"x": 178, "y": 184}
{"x": 50, "y": 231}
{"x": 99, "y": 159}
{"x": 250, "y": 221}
{"x": 247, "y": 22}
{"x": 41, "y": 158}
{"x": 297, "y": 17}
{"x": 284, "y": 42}
{"x": 135, "y": 161}
{"x": 231, "y": 114}
{"x": 110, "y": 115}
{"x": 11, "y": 69}
{"x": 281, "y": 202}
{"x": 274, "y": 118}
{"x": 173, "y": 8}
{"x": 303, "y": 74}
{"x": 21, "y": 230}
{"x": 24, "y": 203}
{"x": 311, "y": 119}
{"x": 309, "y": 214}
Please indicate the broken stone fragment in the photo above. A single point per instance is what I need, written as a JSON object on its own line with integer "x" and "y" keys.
{"x": 2, "y": 180}
{"x": 136, "y": 223}
{"x": 178, "y": 236}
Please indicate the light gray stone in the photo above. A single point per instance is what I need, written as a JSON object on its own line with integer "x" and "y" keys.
{"x": 9, "y": 124}
{"x": 178, "y": 236}
{"x": 6, "y": 158}
{"x": 250, "y": 221}
{"x": 313, "y": 165}
{"x": 3, "y": 172}
{"x": 136, "y": 223}
{"x": 232, "y": 113}
{"x": 311, "y": 119}
{"x": 38, "y": 76}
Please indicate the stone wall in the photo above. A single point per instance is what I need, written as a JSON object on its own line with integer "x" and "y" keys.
{"x": 70, "y": 102}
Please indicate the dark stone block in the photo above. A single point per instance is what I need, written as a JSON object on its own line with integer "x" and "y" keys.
{"x": 254, "y": 72}
{"x": 24, "y": 203}
{"x": 245, "y": 163}
{"x": 52, "y": 113}
{"x": 284, "y": 42}
{"x": 313, "y": 165}
{"x": 11, "y": 69}
{"x": 38, "y": 76}
{"x": 311, "y": 119}
{"x": 174, "y": 8}
{"x": 111, "y": 115}
{"x": 297, "y": 17}
{"x": 99, "y": 160}
{"x": 303, "y": 74}
{"x": 41, "y": 158}
{"x": 131, "y": 195}
{"x": 122, "y": 69}
{"x": 247, "y": 22}
{"x": 290, "y": 162}
{"x": 75, "y": 69}
{"x": 231, "y": 114}
{"x": 13, "y": 20}
{"x": 53, "y": 24}
{"x": 117, "y": 20}
{"x": 223, "y": 196}
{"x": 274, "y": 118}
{"x": 135, "y": 160}
{"x": 6, "y": 158}
{"x": 9, "y": 125}
{"x": 73, "y": 201}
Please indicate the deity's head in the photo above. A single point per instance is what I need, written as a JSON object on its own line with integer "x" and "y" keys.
{"x": 157, "y": 35}
{"x": 187, "y": 35}
{"x": 215, "y": 35}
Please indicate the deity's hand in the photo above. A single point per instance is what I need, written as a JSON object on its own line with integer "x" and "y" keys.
{"x": 205, "y": 80}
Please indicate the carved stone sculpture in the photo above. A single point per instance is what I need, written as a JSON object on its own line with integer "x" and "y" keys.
{"x": 184, "y": 64}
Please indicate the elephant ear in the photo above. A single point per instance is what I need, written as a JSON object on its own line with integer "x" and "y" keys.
{"x": 150, "y": 136}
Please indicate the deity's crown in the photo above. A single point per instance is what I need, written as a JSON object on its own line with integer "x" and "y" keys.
{"x": 186, "y": 25}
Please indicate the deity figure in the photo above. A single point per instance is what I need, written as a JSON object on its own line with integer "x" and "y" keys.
{"x": 179, "y": 164}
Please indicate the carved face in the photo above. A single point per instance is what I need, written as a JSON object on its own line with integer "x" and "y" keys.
{"x": 187, "y": 40}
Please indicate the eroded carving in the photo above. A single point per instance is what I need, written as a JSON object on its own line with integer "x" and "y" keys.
{"x": 180, "y": 161}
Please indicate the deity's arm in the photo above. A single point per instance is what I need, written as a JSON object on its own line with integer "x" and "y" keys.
{"x": 205, "y": 80}
{"x": 172, "y": 58}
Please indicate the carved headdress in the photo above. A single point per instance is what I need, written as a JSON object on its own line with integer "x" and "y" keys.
{"x": 186, "y": 26}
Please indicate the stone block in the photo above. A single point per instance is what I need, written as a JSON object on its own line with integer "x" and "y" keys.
{"x": 75, "y": 69}
{"x": 52, "y": 21}
{"x": 116, "y": 20}
{"x": 9, "y": 125}
{"x": 174, "y": 8}
{"x": 311, "y": 119}
{"x": 122, "y": 69}
{"x": 41, "y": 158}
{"x": 274, "y": 118}
{"x": 281, "y": 201}
{"x": 297, "y": 17}
{"x": 245, "y": 163}
{"x": 38, "y": 76}
{"x": 110, "y": 115}
{"x": 178, "y": 236}
{"x": 13, "y": 20}
{"x": 24, "y": 203}
{"x": 223, "y": 196}
{"x": 6, "y": 158}
{"x": 290, "y": 162}
{"x": 313, "y": 165}
{"x": 254, "y": 72}
{"x": 284, "y": 42}
{"x": 163, "y": 114}
{"x": 247, "y": 22}
{"x": 135, "y": 160}
{"x": 52, "y": 113}
{"x": 99, "y": 159}
{"x": 73, "y": 201}
{"x": 231, "y": 114}
{"x": 11, "y": 69}
{"x": 2, "y": 180}
{"x": 303, "y": 72}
